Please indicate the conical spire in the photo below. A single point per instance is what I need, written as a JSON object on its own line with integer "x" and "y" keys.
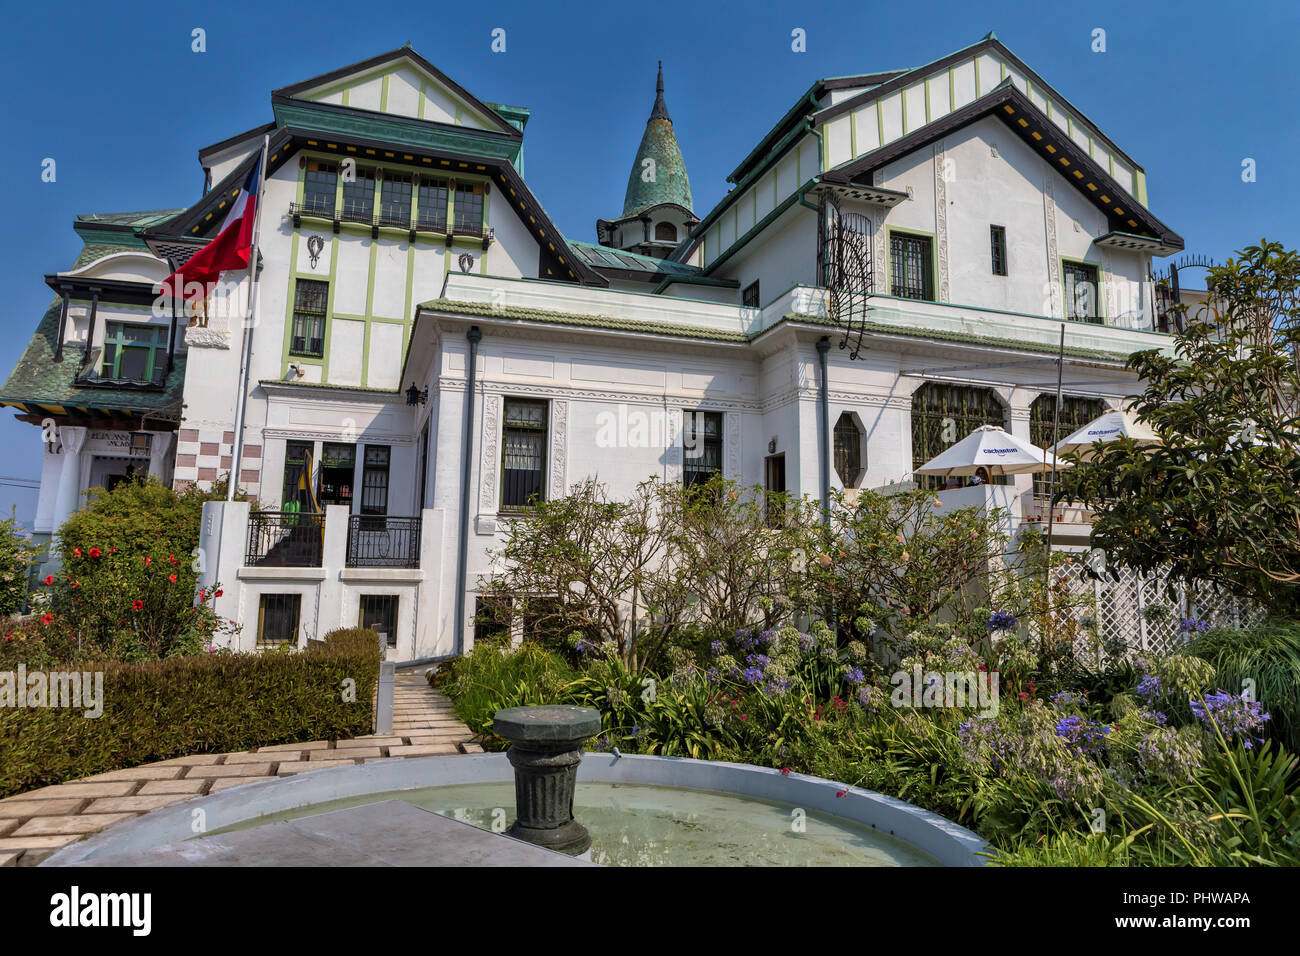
{"x": 658, "y": 172}
{"x": 660, "y": 110}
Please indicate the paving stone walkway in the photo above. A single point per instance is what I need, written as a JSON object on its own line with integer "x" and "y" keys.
{"x": 35, "y": 824}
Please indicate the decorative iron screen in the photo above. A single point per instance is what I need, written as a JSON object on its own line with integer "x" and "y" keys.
{"x": 943, "y": 415}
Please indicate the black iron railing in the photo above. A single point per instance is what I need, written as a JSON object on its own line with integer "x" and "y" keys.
{"x": 285, "y": 539}
{"x": 383, "y": 541}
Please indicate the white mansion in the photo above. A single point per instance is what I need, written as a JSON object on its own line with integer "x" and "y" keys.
{"x": 431, "y": 352}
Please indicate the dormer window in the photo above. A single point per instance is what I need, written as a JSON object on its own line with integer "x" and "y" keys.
{"x": 665, "y": 232}
{"x": 134, "y": 353}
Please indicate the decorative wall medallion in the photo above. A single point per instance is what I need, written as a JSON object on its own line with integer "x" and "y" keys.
{"x": 488, "y": 467}
{"x": 466, "y": 262}
{"x": 559, "y": 448}
{"x": 314, "y": 246}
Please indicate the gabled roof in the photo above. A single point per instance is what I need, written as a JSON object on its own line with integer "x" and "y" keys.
{"x": 486, "y": 113}
{"x": 619, "y": 264}
{"x": 807, "y": 104}
{"x": 201, "y": 219}
{"x": 1045, "y": 138}
{"x": 989, "y": 43}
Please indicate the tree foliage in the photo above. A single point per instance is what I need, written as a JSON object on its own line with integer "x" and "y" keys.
{"x": 1218, "y": 499}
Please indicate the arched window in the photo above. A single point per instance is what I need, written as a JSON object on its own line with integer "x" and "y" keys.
{"x": 943, "y": 415}
{"x": 1075, "y": 413}
{"x": 665, "y": 232}
{"x": 850, "y": 464}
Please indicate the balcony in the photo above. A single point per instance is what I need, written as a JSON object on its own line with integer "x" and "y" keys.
{"x": 383, "y": 541}
{"x": 285, "y": 539}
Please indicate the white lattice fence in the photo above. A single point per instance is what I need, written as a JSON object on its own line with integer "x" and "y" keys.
{"x": 1137, "y": 615}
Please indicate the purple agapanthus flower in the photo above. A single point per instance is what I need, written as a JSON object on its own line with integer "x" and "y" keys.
{"x": 1232, "y": 713}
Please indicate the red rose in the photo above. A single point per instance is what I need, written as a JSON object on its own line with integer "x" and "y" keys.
{"x": 218, "y": 593}
{"x": 171, "y": 558}
{"x": 76, "y": 552}
{"x": 172, "y": 578}
{"x": 47, "y": 618}
{"x": 137, "y": 605}
{"x": 147, "y": 560}
{"x": 94, "y": 552}
{"x": 49, "y": 579}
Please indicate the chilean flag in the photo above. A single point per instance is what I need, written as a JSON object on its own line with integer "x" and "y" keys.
{"x": 231, "y": 248}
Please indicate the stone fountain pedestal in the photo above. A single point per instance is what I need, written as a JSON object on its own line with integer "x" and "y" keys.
{"x": 545, "y": 750}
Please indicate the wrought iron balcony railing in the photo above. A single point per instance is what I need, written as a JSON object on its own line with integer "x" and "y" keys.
{"x": 285, "y": 539}
{"x": 383, "y": 541}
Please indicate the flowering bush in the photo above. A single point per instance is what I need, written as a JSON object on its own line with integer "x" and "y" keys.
{"x": 127, "y": 589}
{"x": 1231, "y": 715}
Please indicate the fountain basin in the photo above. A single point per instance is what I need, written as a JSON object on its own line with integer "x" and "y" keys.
{"x": 943, "y": 841}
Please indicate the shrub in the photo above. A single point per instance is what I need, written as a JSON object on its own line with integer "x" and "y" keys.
{"x": 16, "y": 556}
{"x": 211, "y": 703}
{"x": 127, "y": 588}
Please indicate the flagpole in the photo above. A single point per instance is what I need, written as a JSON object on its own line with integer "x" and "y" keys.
{"x": 250, "y": 323}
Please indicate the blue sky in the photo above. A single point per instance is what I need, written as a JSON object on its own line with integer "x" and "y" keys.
{"x": 115, "y": 95}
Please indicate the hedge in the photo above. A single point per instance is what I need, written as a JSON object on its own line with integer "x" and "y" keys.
{"x": 214, "y": 703}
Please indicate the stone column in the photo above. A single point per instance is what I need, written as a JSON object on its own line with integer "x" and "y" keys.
{"x": 73, "y": 439}
{"x": 545, "y": 750}
{"x": 159, "y": 448}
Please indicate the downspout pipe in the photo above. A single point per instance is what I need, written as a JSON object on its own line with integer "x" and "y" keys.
{"x": 824, "y": 427}
{"x": 466, "y": 450}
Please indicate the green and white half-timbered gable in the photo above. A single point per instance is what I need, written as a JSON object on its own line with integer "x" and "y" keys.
{"x": 382, "y": 178}
{"x": 976, "y": 184}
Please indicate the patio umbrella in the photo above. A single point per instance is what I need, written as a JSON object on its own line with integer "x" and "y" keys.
{"x": 1105, "y": 428}
{"x": 988, "y": 447}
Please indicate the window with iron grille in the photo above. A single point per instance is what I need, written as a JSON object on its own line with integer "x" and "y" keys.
{"x": 379, "y": 613}
{"x": 943, "y": 415}
{"x": 296, "y": 454}
{"x": 433, "y": 204}
{"x": 749, "y": 297}
{"x": 469, "y": 208}
{"x": 134, "y": 353}
{"x": 848, "y": 450}
{"x": 319, "y": 188}
{"x": 277, "y": 619}
{"x": 1080, "y": 281}
{"x": 374, "y": 481}
{"x": 1075, "y": 413}
{"x": 395, "y": 201}
{"x": 911, "y": 272}
{"x": 337, "y": 467}
{"x": 310, "y": 301}
{"x": 359, "y": 197}
{"x": 701, "y": 447}
{"x": 998, "y": 249}
{"x": 523, "y": 453}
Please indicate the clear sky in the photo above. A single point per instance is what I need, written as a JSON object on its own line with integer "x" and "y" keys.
{"x": 114, "y": 93}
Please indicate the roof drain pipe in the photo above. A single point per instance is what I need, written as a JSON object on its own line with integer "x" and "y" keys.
{"x": 823, "y": 428}
{"x": 467, "y": 448}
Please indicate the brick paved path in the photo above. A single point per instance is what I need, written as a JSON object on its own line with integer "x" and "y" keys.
{"x": 36, "y": 823}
